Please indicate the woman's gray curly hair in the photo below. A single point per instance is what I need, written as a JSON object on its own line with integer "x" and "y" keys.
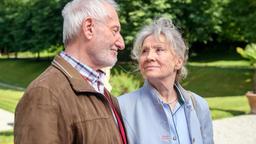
{"x": 163, "y": 26}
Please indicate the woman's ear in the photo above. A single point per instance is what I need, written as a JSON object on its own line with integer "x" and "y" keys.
{"x": 88, "y": 27}
{"x": 178, "y": 63}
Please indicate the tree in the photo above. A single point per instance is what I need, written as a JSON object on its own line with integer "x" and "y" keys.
{"x": 36, "y": 25}
{"x": 134, "y": 15}
{"x": 199, "y": 21}
{"x": 43, "y": 25}
{"x": 239, "y": 20}
{"x": 31, "y": 25}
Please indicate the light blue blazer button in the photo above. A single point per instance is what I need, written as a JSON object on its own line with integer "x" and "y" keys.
{"x": 193, "y": 140}
{"x": 174, "y": 138}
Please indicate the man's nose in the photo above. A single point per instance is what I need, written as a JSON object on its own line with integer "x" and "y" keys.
{"x": 120, "y": 43}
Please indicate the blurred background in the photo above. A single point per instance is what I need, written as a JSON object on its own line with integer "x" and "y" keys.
{"x": 221, "y": 35}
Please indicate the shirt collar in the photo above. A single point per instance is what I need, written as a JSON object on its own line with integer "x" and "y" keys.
{"x": 156, "y": 94}
{"x": 92, "y": 75}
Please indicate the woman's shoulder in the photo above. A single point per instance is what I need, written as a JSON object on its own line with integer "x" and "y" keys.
{"x": 199, "y": 103}
{"x": 128, "y": 102}
{"x": 199, "y": 99}
{"x": 129, "y": 97}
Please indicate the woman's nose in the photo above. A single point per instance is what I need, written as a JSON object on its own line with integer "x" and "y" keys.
{"x": 151, "y": 55}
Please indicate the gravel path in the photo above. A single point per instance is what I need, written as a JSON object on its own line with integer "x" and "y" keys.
{"x": 235, "y": 130}
{"x": 6, "y": 120}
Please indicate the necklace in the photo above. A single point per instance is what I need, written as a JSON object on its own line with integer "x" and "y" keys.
{"x": 171, "y": 102}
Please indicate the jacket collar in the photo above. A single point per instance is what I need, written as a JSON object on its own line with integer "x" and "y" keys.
{"x": 188, "y": 107}
{"x": 76, "y": 80}
{"x": 182, "y": 95}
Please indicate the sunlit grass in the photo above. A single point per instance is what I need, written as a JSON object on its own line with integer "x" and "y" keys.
{"x": 9, "y": 99}
{"x": 223, "y": 63}
{"x": 218, "y": 81}
{"x": 222, "y": 107}
{"x": 6, "y": 137}
{"x": 28, "y": 54}
{"x": 20, "y": 72}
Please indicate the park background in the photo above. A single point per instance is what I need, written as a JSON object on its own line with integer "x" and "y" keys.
{"x": 31, "y": 34}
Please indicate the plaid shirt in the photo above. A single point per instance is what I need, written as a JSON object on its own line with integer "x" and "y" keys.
{"x": 95, "y": 78}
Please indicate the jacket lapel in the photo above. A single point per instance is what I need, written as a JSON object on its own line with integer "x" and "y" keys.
{"x": 191, "y": 116}
{"x": 76, "y": 80}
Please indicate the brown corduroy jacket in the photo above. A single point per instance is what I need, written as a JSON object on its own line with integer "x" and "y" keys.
{"x": 60, "y": 107}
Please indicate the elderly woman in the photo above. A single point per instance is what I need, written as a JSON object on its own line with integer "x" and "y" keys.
{"x": 162, "y": 111}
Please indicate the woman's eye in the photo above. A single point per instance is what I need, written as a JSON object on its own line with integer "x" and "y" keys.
{"x": 159, "y": 49}
{"x": 144, "y": 50}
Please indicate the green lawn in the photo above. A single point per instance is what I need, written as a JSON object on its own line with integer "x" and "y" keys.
{"x": 43, "y": 55}
{"x": 218, "y": 81}
{"x": 20, "y": 72}
{"x": 6, "y": 137}
{"x": 9, "y": 98}
{"x": 223, "y": 63}
{"x": 229, "y": 106}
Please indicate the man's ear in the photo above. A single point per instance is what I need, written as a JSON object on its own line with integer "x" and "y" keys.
{"x": 88, "y": 27}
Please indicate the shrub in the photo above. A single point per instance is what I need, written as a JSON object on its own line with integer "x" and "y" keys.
{"x": 123, "y": 83}
{"x": 250, "y": 53}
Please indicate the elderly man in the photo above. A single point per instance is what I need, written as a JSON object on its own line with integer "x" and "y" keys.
{"x": 68, "y": 103}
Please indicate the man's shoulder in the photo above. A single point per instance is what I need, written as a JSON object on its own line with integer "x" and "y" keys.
{"x": 51, "y": 78}
{"x": 44, "y": 90}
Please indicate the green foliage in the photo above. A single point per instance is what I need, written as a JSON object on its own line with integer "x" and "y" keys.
{"x": 199, "y": 21}
{"x": 36, "y": 25}
{"x": 239, "y": 23}
{"x": 249, "y": 53}
{"x": 123, "y": 83}
{"x": 30, "y": 25}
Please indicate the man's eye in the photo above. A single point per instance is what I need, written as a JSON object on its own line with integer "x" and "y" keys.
{"x": 115, "y": 31}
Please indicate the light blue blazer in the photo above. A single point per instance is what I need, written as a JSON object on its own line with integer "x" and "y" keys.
{"x": 146, "y": 121}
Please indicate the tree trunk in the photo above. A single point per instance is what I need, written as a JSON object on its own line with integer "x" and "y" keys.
{"x": 16, "y": 55}
{"x": 8, "y": 55}
{"x": 38, "y": 55}
{"x": 254, "y": 81}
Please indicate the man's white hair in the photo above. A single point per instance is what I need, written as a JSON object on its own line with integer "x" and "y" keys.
{"x": 76, "y": 10}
